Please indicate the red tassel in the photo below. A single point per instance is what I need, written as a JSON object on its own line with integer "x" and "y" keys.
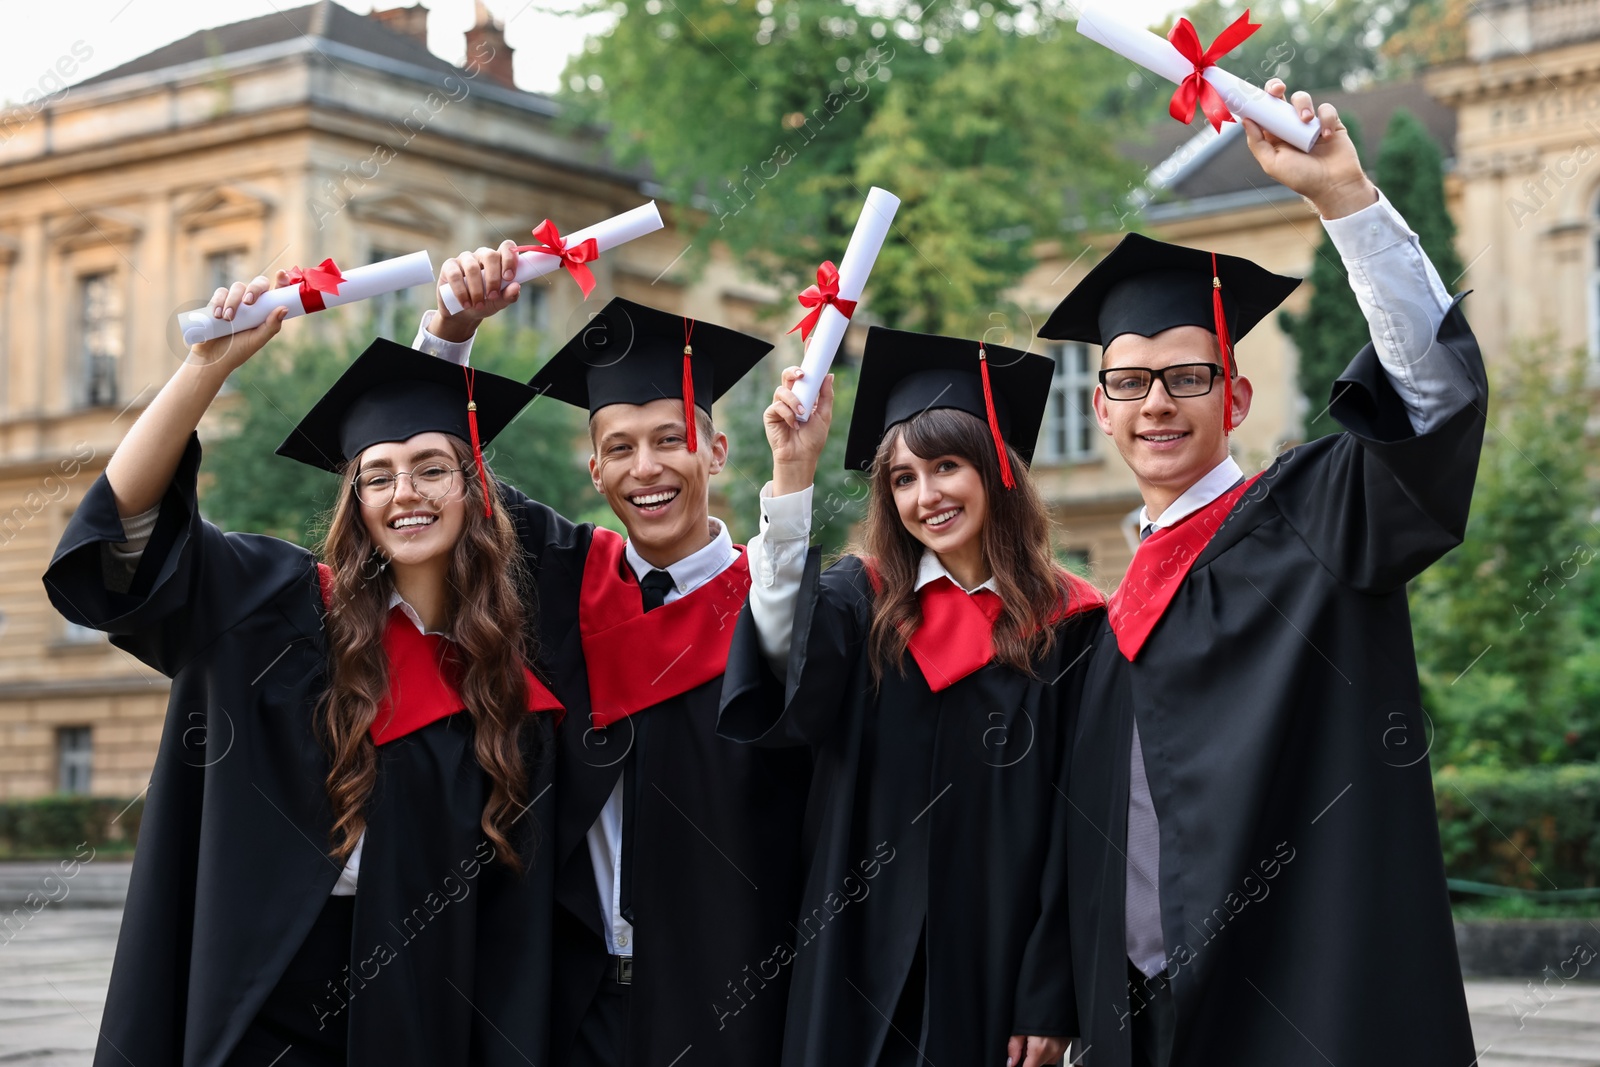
{"x": 994, "y": 421}
{"x": 688, "y": 389}
{"x": 1225, "y": 344}
{"x": 477, "y": 448}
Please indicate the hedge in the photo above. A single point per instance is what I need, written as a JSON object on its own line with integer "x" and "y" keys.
{"x": 54, "y": 826}
{"x": 1532, "y": 828}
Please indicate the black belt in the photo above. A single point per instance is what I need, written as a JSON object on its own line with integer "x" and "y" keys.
{"x": 619, "y": 969}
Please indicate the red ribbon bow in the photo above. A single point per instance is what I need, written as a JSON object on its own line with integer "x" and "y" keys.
{"x": 314, "y": 281}
{"x": 551, "y": 243}
{"x": 818, "y": 296}
{"x": 1195, "y": 90}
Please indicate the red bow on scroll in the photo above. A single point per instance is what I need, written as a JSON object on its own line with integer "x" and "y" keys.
{"x": 818, "y": 296}
{"x": 573, "y": 258}
{"x": 314, "y": 281}
{"x": 1194, "y": 91}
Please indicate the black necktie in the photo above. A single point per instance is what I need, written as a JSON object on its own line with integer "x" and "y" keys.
{"x": 653, "y": 589}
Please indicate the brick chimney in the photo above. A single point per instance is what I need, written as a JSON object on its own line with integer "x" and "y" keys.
{"x": 487, "y": 51}
{"x": 409, "y": 22}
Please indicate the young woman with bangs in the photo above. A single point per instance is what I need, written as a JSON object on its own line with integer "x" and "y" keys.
{"x": 931, "y": 674}
{"x": 337, "y": 861}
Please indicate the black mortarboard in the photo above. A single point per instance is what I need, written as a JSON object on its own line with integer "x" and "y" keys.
{"x": 1145, "y": 286}
{"x": 391, "y": 393}
{"x": 633, "y": 354}
{"x": 904, "y": 374}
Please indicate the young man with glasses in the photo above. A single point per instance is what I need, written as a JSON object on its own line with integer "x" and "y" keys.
{"x": 1255, "y": 869}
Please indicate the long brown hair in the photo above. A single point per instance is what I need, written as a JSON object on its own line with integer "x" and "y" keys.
{"x": 1015, "y": 540}
{"x": 487, "y": 583}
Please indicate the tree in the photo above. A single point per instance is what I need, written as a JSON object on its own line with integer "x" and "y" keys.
{"x": 1329, "y": 333}
{"x": 778, "y": 116}
{"x": 1411, "y": 175}
{"x": 1509, "y": 672}
{"x": 248, "y": 488}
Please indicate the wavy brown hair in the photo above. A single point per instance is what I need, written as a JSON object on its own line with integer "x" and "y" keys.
{"x": 490, "y": 641}
{"x": 1015, "y": 539}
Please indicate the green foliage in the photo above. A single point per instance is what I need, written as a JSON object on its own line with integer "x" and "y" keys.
{"x": 1329, "y": 333}
{"x": 52, "y": 827}
{"x": 1505, "y": 624}
{"x": 248, "y": 488}
{"x": 1529, "y": 828}
{"x": 1411, "y": 175}
{"x": 981, "y": 118}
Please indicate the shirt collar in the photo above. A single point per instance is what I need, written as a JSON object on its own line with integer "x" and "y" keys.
{"x": 931, "y": 570}
{"x": 1212, "y": 484}
{"x": 695, "y": 569}
{"x": 397, "y": 601}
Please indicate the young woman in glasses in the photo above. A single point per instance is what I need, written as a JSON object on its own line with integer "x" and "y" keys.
{"x": 339, "y": 858}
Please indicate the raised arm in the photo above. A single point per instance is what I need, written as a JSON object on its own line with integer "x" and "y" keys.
{"x": 143, "y": 465}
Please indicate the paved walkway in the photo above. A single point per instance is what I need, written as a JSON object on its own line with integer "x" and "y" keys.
{"x": 53, "y": 977}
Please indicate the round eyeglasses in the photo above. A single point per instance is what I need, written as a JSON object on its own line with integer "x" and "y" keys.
{"x": 376, "y": 488}
{"x": 1181, "y": 380}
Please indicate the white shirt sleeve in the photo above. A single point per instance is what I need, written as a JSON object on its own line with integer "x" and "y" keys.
{"x": 1404, "y": 301}
{"x": 459, "y": 352}
{"x": 777, "y": 564}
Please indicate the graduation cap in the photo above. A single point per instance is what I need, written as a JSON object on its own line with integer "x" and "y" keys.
{"x": 904, "y": 374}
{"x": 1145, "y": 286}
{"x": 391, "y": 393}
{"x": 633, "y": 354}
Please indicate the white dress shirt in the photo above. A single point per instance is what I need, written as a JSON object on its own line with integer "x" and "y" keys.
{"x": 605, "y": 836}
{"x": 455, "y": 351}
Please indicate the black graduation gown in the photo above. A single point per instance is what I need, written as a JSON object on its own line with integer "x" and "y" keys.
{"x": 716, "y": 856}
{"x": 449, "y": 960}
{"x": 933, "y": 815}
{"x": 1302, "y": 886}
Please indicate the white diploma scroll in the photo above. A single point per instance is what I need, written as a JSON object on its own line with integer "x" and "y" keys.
{"x": 360, "y": 283}
{"x": 618, "y": 230}
{"x": 859, "y": 256}
{"x": 1157, "y": 55}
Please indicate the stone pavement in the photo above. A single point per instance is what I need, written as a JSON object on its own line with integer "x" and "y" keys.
{"x": 53, "y": 976}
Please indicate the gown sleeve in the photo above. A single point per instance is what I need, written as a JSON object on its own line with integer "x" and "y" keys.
{"x": 1377, "y": 504}
{"x": 192, "y": 584}
{"x": 832, "y": 613}
{"x": 1046, "y": 1004}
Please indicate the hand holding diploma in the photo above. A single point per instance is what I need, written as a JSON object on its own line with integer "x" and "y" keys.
{"x": 797, "y": 443}
{"x": 1202, "y": 85}
{"x": 1330, "y": 174}
{"x": 307, "y": 290}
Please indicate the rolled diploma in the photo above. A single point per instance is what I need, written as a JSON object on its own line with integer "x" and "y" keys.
{"x": 1157, "y": 55}
{"x": 360, "y": 283}
{"x": 618, "y": 230}
{"x": 865, "y": 242}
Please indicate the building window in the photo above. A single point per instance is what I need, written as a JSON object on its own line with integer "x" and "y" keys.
{"x": 100, "y": 334}
{"x": 74, "y": 755}
{"x": 530, "y": 310}
{"x": 224, "y": 268}
{"x": 394, "y": 315}
{"x": 1069, "y": 426}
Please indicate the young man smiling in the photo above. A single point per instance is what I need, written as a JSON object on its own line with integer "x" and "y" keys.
{"x": 677, "y": 853}
{"x": 1255, "y": 869}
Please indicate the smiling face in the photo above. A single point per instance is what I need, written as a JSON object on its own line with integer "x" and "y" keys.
{"x": 1168, "y": 443}
{"x": 941, "y": 502}
{"x": 655, "y": 485}
{"x": 412, "y": 530}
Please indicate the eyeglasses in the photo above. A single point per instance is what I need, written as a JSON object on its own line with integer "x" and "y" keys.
{"x": 433, "y": 483}
{"x": 1181, "y": 380}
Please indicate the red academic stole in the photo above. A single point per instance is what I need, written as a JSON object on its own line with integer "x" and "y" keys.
{"x": 636, "y": 660}
{"x": 1159, "y": 568}
{"x": 956, "y": 635}
{"x": 421, "y": 691}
